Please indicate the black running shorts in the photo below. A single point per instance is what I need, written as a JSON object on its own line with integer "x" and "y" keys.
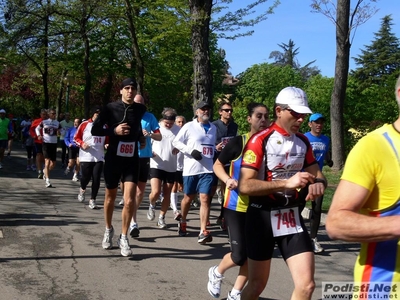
{"x": 260, "y": 241}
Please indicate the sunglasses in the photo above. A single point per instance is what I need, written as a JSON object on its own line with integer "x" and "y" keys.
{"x": 227, "y": 109}
{"x": 296, "y": 114}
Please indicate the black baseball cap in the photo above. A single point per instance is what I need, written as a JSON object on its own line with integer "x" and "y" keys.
{"x": 128, "y": 81}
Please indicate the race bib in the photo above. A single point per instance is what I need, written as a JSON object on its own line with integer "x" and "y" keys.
{"x": 126, "y": 149}
{"x": 98, "y": 140}
{"x": 225, "y": 141}
{"x": 208, "y": 151}
{"x": 285, "y": 221}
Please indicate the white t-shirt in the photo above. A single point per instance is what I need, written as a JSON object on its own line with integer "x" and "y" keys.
{"x": 64, "y": 128}
{"x": 164, "y": 159}
{"x": 193, "y": 136}
{"x": 95, "y": 152}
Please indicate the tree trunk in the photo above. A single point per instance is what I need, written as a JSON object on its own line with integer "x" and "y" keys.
{"x": 45, "y": 73}
{"x": 340, "y": 82}
{"x": 139, "y": 66}
{"x": 200, "y": 12}
{"x": 86, "y": 64}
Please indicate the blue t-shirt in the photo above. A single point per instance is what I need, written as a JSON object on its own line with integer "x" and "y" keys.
{"x": 150, "y": 124}
{"x": 320, "y": 147}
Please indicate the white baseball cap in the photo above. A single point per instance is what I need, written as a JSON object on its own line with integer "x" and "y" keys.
{"x": 295, "y": 98}
{"x": 2, "y": 111}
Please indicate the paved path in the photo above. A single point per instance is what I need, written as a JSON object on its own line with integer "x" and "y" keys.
{"x": 51, "y": 249}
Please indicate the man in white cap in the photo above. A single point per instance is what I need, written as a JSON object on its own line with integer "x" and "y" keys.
{"x": 196, "y": 140}
{"x": 5, "y": 129}
{"x": 277, "y": 164}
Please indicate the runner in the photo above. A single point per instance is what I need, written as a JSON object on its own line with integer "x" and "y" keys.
{"x": 271, "y": 174}
{"x": 235, "y": 205}
{"x": 120, "y": 120}
{"x": 91, "y": 157}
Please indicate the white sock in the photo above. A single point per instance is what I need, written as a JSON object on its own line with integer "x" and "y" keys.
{"x": 123, "y": 236}
{"x": 218, "y": 274}
{"x": 174, "y": 198}
{"x": 235, "y": 291}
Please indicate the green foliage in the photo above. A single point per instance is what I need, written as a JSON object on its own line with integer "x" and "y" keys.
{"x": 262, "y": 82}
{"x": 380, "y": 59}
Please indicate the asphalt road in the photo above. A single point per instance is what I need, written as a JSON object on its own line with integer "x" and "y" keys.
{"x": 51, "y": 248}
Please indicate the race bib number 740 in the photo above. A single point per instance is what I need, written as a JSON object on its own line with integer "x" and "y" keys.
{"x": 126, "y": 149}
{"x": 285, "y": 221}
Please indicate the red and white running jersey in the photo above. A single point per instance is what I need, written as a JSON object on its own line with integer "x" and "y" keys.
{"x": 95, "y": 152}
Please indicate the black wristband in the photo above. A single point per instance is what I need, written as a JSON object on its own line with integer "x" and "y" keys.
{"x": 320, "y": 180}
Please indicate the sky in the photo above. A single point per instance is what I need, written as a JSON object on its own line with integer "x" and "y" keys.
{"x": 312, "y": 33}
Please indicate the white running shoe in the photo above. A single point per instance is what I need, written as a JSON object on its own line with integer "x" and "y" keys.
{"x": 124, "y": 246}
{"x": 134, "y": 230}
{"x": 121, "y": 203}
{"x": 316, "y": 246}
{"x": 92, "y": 204}
{"x": 48, "y": 184}
{"x": 214, "y": 283}
{"x": 151, "y": 214}
{"x": 81, "y": 195}
{"x": 161, "y": 223}
{"x": 75, "y": 178}
{"x": 233, "y": 296}
{"x": 107, "y": 240}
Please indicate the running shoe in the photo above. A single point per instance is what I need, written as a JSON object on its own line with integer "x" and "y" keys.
{"x": 92, "y": 204}
{"x": 221, "y": 222}
{"x": 204, "y": 237}
{"x": 161, "y": 223}
{"x": 40, "y": 176}
{"x": 177, "y": 215}
{"x": 182, "y": 228}
{"x": 123, "y": 244}
{"x": 134, "y": 230}
{"x": 214, "y": 283}
{"x": 81, "y": 195}
{"x": 48, "y": 184}
{"x": 233, "y": 296}
{"x": 107, "y": 240}
{"x": 196, "y": 202}
{"x": 316, "y": 246}
{"x": 121, "y": 203}
{"x": 75, "y": 178}
{"x": 220, "y": 197}
{"x": 151, "y": 214}
{"x": 66, "y": 172}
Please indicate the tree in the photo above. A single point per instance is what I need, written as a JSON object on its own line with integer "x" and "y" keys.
{"x": 200, "y": 13}
{"x": 345, "y": 21}
{"x": 380, "y": 59}
{"x": 288, "y": 58}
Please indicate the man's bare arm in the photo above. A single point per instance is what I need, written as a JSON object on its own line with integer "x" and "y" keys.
{"x": 344, "y": 221}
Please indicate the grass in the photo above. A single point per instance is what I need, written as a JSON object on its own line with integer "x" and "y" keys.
{"x": 333, "y": 177}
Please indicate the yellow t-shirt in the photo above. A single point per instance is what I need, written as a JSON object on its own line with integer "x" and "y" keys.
{"x": 374, "y": 163}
